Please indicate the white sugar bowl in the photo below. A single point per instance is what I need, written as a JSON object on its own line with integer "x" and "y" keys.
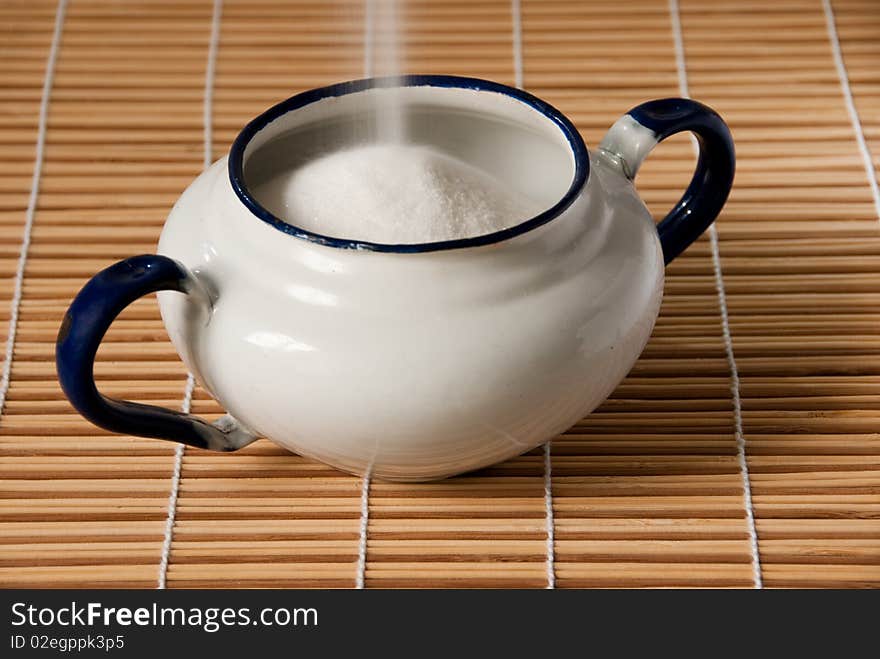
{"x": 410, "y": 361}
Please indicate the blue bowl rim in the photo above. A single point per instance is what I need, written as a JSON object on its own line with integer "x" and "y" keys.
{"x": 575, "y": 141}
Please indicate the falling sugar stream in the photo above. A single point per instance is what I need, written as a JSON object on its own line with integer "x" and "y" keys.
{"x": 384, "y": 57}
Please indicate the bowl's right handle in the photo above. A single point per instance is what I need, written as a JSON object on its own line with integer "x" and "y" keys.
{"x": 633, "y": 136}
{"x": 88, "y": 319}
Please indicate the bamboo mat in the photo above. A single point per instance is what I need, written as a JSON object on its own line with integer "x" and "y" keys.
{"x": 647, "y": 491}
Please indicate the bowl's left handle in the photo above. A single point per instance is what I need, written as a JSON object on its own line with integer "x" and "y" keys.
{"x": 88, "y": 319}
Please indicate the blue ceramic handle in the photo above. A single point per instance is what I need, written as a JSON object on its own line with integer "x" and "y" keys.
{"x": 642, "y": 128}
{"x": 88, "y": 319}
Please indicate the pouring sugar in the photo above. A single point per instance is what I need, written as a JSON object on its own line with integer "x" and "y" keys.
{"x": 394, "y": 193}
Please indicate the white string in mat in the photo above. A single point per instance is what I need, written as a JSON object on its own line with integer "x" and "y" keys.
{"x": 858, "y": 129}
{"x": 516, "y": 20}
{"x": 30, "y": 211}
{"x": 363, "y": 530}
{"x": 725, "y": 328}
{"x": 186, "y": 405}
{"x": 363, "y": 526}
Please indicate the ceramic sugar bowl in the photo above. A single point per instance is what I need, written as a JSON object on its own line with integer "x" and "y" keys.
{"x": 411, "y": 361}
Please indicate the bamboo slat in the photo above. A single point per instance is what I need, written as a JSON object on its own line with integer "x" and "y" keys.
{"x": 647, "y": 491}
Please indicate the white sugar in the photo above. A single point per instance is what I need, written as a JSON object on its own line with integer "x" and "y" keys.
{"x": 394, "y": 193}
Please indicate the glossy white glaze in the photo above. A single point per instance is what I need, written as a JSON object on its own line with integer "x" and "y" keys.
{"x": 628, "y": 142}
{"x": 420, "y": 365}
